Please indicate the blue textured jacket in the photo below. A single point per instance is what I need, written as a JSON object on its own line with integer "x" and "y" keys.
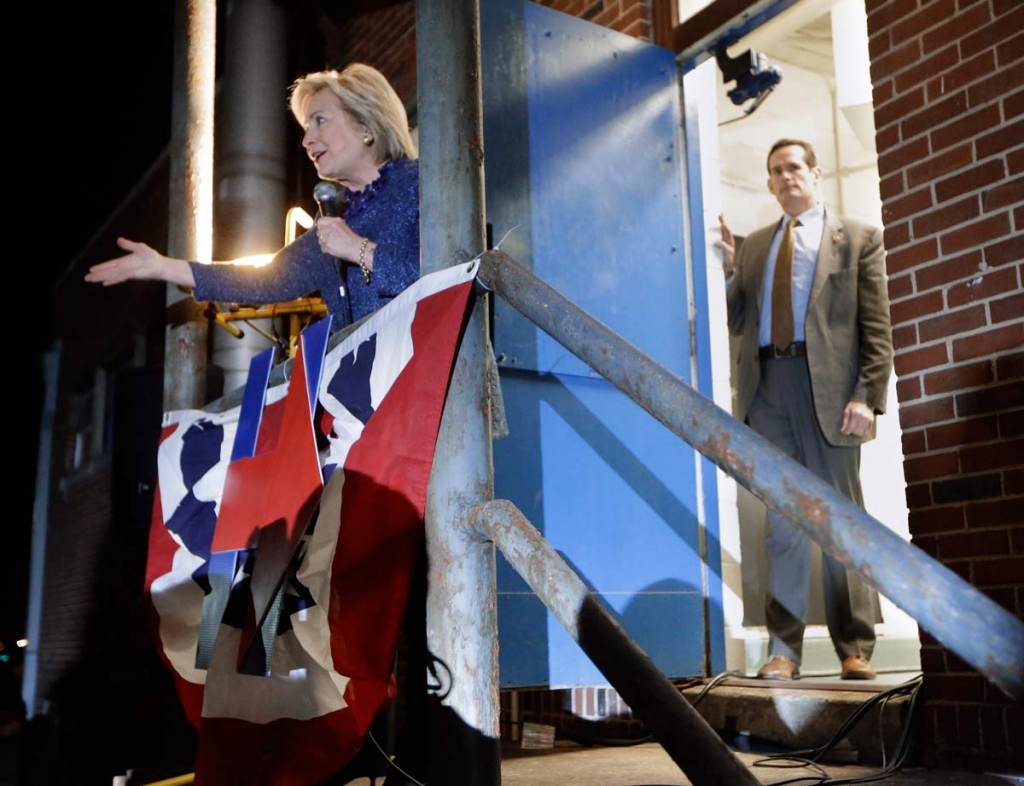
{"x": 387, "y": 212}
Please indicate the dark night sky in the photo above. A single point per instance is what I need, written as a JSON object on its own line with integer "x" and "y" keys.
{"x": 97, "y": 118}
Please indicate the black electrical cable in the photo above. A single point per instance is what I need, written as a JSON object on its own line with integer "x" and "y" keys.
{"x": 809, "y": 758}
{"x": 753, "y": 107}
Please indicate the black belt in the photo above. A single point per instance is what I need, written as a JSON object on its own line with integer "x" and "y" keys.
{"x": 795, "y": 350}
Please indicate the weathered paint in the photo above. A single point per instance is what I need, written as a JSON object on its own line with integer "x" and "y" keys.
{"x": 959, "y": 615}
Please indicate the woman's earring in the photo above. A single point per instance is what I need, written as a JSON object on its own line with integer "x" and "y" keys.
{"x": 367, "y": 140}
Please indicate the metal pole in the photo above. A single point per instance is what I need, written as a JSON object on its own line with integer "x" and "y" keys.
{"x": 682, "y": 732}
{"x": 190, "y": 213}
{"x": 461, "y": 596}
{"x": 960, "y": 616}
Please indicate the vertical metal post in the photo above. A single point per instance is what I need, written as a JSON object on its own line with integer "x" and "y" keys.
{"x": 461, "y": 597}
{"x": 190, "y": 213}
{"x": 250, "y": 160}
{"x": 682, "y": 732}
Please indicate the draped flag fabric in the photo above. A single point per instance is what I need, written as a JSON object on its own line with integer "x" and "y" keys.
{"x": 338, "y": 559}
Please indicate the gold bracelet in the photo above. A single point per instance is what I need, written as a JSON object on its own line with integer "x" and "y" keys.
{"x": 362, "y": 264}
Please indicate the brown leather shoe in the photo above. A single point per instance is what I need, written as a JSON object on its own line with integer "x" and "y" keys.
{"x": 857, "y": 668}
{"x": 781, "y": 668}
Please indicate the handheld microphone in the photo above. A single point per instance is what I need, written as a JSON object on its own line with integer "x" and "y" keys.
{"x": 325, "y": 193}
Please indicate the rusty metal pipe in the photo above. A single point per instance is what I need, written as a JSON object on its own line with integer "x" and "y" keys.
{"x": 959, "y": 615}
{"x": 682, "y": 732}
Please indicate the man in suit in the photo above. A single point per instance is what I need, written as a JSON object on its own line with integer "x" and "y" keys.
{"x": 813, "y": 388}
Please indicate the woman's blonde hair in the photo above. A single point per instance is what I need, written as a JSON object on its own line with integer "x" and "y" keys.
{"x": 369, "y": 99}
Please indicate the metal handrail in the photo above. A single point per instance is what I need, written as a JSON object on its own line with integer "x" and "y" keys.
{"x": 957, "y": 614}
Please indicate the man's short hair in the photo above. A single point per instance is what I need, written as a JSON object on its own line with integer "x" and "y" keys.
{"x": 809, "y": 157}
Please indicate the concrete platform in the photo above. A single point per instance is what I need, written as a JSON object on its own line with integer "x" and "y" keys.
{"x": 775, "y": 729}
{"x": 647, "y": 764}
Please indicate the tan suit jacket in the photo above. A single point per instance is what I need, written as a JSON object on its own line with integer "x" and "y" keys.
{"x": 848, "y": 333}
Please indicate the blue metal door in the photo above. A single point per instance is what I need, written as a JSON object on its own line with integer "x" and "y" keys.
{"x": 586, "y": 186}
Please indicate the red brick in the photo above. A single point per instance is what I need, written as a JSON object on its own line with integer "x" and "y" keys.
{"x": 913, "y": 24}
{"x": 908, "y": 389}
{"x": 998, "y": 455}
{"x": 897, "y": 158}
{"x": 970, "y": 726}
{"x": 1011, "y": 424}
{"x": 969, "y": 375}
{"x": 996, "y": 513}
{"x": 935, "y": 411}
{"x": 966, "y": 489}
{"x": 962, "y": 432}
{"x": 950, "y": 269}
{"x": 1003, "y": 195}
{"x": 975, "y": 234}
{"x": 955, "y": 28}
{"x": 969, "y": 125}
{"x": 990, "y": 35}
{"x": 892, "y": 186}
{"x": 1013, "y": 105}
{"x": 933, "y": 168}
{"x": 931, "y": 64}
{"x": 957, "y": 687}
{"x": 911, "y": 256}
{"x": 971, "y": 180}
{"x": 964, "y": 74}
{"x": 929, "y": 545}
{"x": 992, "y": 283}
{"x": 933, "y": 521}
{"x": 934, "y": 115}
{"x": 1007, "y": 251}
{"x": 1016, "y": 539}
{"x": 1010, "y": 51}
{"x": 1000, "y": 86}
{"x": 990, "y": 543}
{"x": 936, "y": 465}
{"x": 904, "y": 336}
{"x": 918, "y": 495}
{"x": 993, "y": 728}
{"x": 1010, "y": 366}
{"x": 918, "y": 359}
{"x": 916, "y": 307}
{"x": 1015, "y": 165}
{"x": 990, "y": 342}
{"x": 952, "y": 323}
{"x": 900, "y": 287}
{"x": 993, "y": 572}
{"x": 897, "y": 234}
{"x": 1007, "y": 308}
{"x": 888, "y": 138}
{"x": 878, "y": 43}
{"x": 991, "y": 399}
{"x": 935, "y": 221}
{"x": 933, "y": 660}
{"x": 895, "y": 60}
{"x": 888, "y": 14}
{"x": 1000, "y": 7}
{"x": 913, "y": 441}
{"x": 1005, "y": 135}
{"x": 901, "y": 105}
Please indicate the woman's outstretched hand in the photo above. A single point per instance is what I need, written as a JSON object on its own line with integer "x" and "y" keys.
{"x": 140, "y": 263}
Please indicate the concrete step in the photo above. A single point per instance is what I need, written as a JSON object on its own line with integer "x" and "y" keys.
{"x": 804, "y": 715}
{"x": 859, "y": 722}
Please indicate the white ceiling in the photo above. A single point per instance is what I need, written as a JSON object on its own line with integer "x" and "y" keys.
{"x": 801, "y": 35}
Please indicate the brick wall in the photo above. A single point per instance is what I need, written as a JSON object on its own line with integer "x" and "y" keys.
{"x": 386, "y": 38}
{"x": 949, "y": 116}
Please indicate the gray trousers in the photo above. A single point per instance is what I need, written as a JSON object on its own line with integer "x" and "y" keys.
{"x": 783, "y": 413}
